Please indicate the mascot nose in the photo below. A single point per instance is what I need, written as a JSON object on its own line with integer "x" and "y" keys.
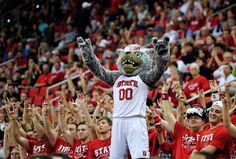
{"x": 128, "y": 52}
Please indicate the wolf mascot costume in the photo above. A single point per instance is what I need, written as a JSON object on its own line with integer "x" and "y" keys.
{"x": 140, "y": 68}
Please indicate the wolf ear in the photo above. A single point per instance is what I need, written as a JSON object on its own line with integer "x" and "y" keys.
{"x": 154, "y": 41}
{"x": 120, "y": 51}
{"x": 166, "y": 39}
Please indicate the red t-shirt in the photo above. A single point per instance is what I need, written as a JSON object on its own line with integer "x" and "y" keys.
{"x": 233, "y": 145}
{"x": 80, "y": 149}
{"x": 153, "y": 142}
{"x": 168, "y": 148}
{"x": 196, "y": 24}
{"x": 185, "y": 141}
{"x": 197, "y": 83}
{"x": 217, "y": 137}
{"x": 37, "y": 147}
{"x": 100, "y": 149}
{"x": 44, "y": 78}
{"x": 61, "y": 146}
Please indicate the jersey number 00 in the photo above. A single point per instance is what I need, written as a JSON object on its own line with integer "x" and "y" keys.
{"x": 126, "y": 94}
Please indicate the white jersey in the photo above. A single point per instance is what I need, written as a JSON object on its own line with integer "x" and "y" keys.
{"x": 130, "y": 95}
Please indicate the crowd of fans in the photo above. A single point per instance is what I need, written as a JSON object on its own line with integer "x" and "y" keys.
{"x": 43, "y": 50}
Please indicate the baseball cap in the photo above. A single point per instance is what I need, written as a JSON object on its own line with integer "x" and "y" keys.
{"x": 218, "y": 103}
{"x": 194, "y": 111}
{"x": 86, "y": 4}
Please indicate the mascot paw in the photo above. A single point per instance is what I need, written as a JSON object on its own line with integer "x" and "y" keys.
{"x": 80, "y": 41}
{"x": 85, "y": 45}
{"x": 161, "y": 46}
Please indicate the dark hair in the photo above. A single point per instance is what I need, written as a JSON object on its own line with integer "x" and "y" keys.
{"x": 11, "y": 84}
{"x": 82, "y": 123}
{"x": 230, "y": 67}
{"x": 3, "y": 79}
{"x": 149, "y": 102}
{"x": 220, "y": 45}
{"x": 74, "y": 123}
{"x": 107, "y": 119}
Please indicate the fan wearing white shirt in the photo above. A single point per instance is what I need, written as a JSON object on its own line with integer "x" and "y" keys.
{"x": 226, "y": 75}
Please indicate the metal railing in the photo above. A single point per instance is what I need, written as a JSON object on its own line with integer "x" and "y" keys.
{"x": 7, "y": 62}
{"x": 206, "y": 92}
{"x": 222, "y": 10}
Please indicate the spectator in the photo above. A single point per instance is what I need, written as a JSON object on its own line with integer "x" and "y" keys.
{"x": 198, "y": 82}
{"x": 33, "y": 146}
{"x": 181, "y": 66}
{"x": 190, "y": 53}
{"x": 100, "y": 147}
{"x": 227, "y": 75}
{"x": 15, "y": 154}
{"x": 43, "y": 77}
{"x": 216, "y": 139}
{"x": 13, "y": 91}
{"x": 185, "y": 137}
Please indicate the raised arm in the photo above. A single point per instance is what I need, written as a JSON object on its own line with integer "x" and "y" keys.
{"x": 88, "y": 119}
{"x": 70, "y": 83}
{"x": 62, "y": 123}
{"x": 181, "y": 109}
{"x": 49, "y": 132}
{"x": 167, "y": 107}
{"x": 6, "y": 143}
{"x": 93, "y": 63}
{"x": 53, "y": 113}
{"x": 38, "y": 127}
{"x": 226, "y": 117}
{"x": 161, "y": 58}
{"x": 19, "y": 139}
{"x": 26, "y": 120}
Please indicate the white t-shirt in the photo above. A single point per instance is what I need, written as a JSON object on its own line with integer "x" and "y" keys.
{"x": 130, "y": 94}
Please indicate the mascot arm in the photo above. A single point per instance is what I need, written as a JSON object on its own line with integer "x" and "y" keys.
{"x": 152, "y": 76}
{"x": 93, "y": 63}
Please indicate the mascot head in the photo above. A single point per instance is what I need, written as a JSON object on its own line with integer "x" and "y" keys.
{"x": 134, "y": 59}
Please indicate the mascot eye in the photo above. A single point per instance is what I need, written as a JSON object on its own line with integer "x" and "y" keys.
{"x": 139, "y": 54}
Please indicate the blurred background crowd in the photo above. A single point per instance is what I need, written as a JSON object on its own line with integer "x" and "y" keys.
{"x": 38, "y": 47}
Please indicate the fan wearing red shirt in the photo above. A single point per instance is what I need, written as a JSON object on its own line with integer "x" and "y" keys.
{"x": 216, "y": 139}
{"x": 151, "y": 119}
{"x": 230, "y": 124}
{"x": 85, "y": 132}
{"x": 81, "y": 145}
{"x": 185, "y": 138}
{"x": 197, "y": 83}
{"x": 43, "y": 79}
{"x": 153, "y": 142}
{"x": 60, "y": 145}
{"x": 100, "y": 147}
{"x": 34, "y": 145}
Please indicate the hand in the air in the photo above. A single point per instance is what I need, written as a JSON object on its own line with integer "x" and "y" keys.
{"x": 85, "y": 45}
{"x": 161, "y": 45}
